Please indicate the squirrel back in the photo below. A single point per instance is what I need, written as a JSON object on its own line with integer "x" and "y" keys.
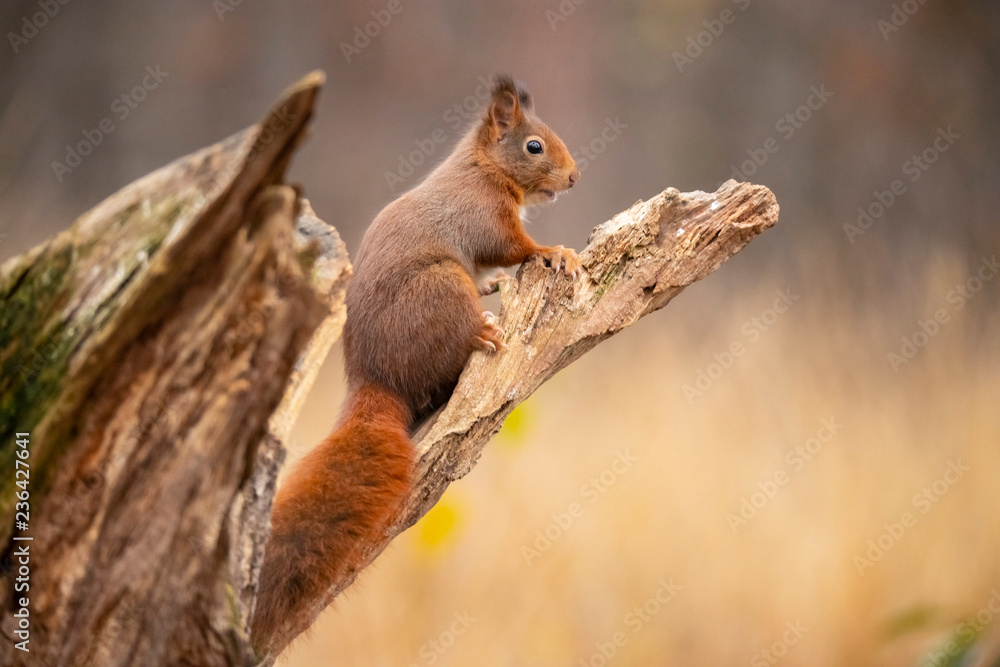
{"x": 413, "y": 319}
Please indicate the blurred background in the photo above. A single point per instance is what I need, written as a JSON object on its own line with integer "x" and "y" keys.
{"x": 827, "y": 497}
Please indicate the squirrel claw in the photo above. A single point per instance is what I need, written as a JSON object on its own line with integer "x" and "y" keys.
{"x": 490, "y": 338}
{"x": 485, "y": 345}
{"x": 489, "y": 344}
{"x": 493, "y": 283}
{"x": 562, "y": 258}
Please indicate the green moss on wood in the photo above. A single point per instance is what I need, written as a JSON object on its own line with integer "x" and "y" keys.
{"x": 38, "y": 337}
{"x": 607, "y": 280}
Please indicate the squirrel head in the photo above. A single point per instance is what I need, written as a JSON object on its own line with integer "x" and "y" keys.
{"x": 522, "y": 146}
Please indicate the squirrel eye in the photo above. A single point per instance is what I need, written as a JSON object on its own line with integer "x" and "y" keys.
{"x": 534, "y": 147}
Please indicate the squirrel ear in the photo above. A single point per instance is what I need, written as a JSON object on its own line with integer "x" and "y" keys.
{"x": 505, "y": 112}
{"x": 505, "y": 107}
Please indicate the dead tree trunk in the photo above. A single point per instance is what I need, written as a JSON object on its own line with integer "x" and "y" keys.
{"x": 157, "y": 353}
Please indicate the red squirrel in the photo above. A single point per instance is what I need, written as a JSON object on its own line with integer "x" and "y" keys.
{"x": 413, "y": 319}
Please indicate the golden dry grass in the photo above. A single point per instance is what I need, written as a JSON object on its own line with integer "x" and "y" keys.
{"x": 665, "y": 517}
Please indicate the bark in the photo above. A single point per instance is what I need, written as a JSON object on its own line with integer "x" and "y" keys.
{"x": 159, "y": 351}
{"x": 145, "y": 350}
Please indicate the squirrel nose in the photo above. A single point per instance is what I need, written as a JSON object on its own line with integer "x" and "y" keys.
{"x": 574, "y": 177}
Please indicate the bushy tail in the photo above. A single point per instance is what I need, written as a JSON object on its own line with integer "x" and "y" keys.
{"x": 338, "y": 499}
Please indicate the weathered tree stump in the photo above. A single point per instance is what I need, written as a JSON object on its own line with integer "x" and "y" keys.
{"x": 158, "y": 352}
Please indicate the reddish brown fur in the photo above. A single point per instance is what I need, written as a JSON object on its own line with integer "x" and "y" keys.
{"x": 413, "y": 320}
{"x": 340, "y": 495}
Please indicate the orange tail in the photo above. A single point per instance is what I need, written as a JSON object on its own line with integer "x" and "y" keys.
{"x": 339, "y": 497}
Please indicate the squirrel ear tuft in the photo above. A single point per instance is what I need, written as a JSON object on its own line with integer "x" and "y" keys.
{"x": 524, "y": 96}
{"x": 505, "y": 109}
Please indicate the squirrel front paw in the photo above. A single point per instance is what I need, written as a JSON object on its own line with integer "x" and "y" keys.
{"x": 561, "y": 257}
{"x": 493, "y": 283}
{"x": 490, "y": 337}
